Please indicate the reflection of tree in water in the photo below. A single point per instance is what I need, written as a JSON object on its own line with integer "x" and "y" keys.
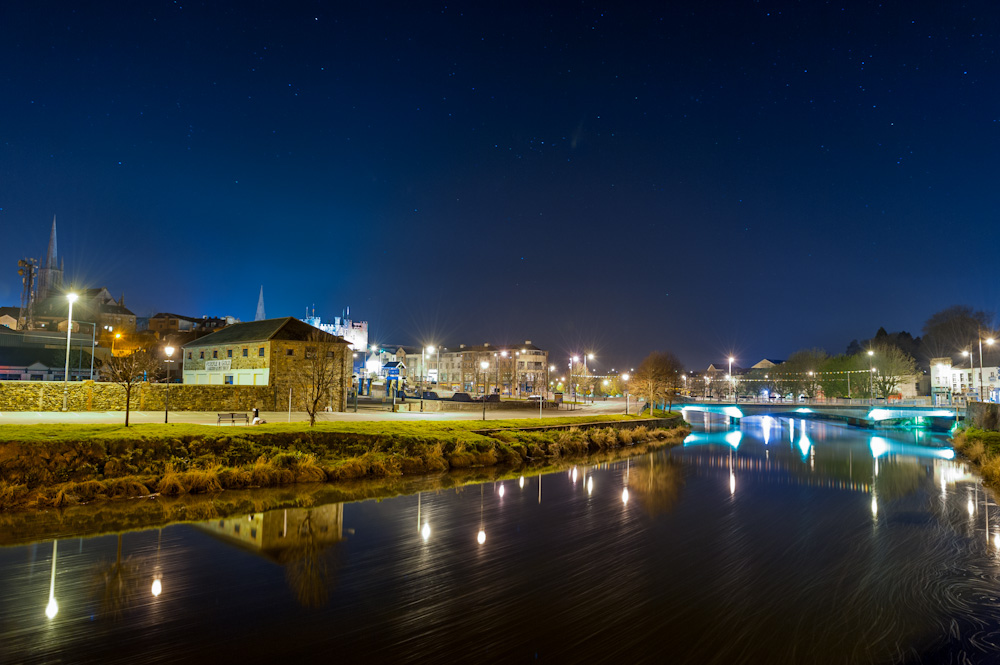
{"x": 116, "y": 583}
{"x": 656, "y": 481}
{"x": 306, "y": 567}
{"x": 896, "y": 479}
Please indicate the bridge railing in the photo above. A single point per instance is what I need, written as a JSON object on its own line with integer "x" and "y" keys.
{"x": 824, "y": 401}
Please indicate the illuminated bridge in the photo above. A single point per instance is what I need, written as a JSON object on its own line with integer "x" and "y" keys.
{"x": 859, "y": 415}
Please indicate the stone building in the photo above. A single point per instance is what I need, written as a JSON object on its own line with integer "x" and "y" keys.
{"x": 281, "y": 353}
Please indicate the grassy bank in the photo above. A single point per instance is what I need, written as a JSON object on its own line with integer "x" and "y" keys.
{"x": 982, "y": 448}
{"x": 63, "y": 465}
{"x": 19, "y": 527}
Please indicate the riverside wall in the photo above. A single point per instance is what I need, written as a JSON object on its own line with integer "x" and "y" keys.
{"x": 984, "y": 415}
{"x": 95, "y": 396}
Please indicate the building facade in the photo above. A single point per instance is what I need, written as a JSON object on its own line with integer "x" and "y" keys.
{"x": 273, "y": 352}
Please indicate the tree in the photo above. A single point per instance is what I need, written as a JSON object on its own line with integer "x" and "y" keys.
{"x": 891, "y": 365}
{"x": 317, "y": 373}
{"x": 127, "y": 371}
{"x": 952, "y": 329}
{"x": 658, "y": 378}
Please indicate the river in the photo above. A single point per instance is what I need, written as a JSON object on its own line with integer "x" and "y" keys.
{"x": 783, "y": 541}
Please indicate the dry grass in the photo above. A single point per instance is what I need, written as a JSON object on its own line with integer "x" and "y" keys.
{"x": 127, "y": 466}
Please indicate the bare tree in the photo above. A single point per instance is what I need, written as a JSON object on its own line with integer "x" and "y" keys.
{"x": 127, "y": 371}
{"x": 317, "y": 373}
{"x": 891, "y": 365}
{"x": 658, "y": 378}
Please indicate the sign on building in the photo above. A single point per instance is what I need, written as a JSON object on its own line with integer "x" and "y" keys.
{"x": 218, "y": 365}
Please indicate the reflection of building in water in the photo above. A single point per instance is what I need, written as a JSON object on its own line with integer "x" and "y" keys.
{"x": 277, "y": 531}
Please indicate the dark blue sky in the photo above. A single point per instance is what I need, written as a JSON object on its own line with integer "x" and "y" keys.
{"x": 752, "y": 178}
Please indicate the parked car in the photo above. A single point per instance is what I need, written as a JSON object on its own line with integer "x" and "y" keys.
{"x": 430, "y": 395}
{"x": 488, "y": 398}
{"x": 461, "y": 397}
{"x": 535, "y": 398}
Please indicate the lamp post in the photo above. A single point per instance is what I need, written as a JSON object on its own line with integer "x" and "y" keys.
{"x": 572, "y": 383}
{"x": 871, "y": 377}
{"x": 166, "y": 409}
{"x": 113, "y": 340}
{"x": 485, "y": 366}
{"x": 990, "y": 342}
{"x": 731, "y": 379}
{"x": 625, "y": 379}
{"x": 71, "y": 297}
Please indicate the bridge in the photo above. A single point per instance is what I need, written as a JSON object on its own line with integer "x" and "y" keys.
{"x": 860, "y": 415}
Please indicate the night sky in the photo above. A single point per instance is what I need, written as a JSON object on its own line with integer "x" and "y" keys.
{"x": 706, "y": 178}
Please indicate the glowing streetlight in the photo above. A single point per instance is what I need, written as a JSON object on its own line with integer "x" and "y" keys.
{"x": 625, "y": 390}
{"x": 730, "y": 376}
{"x": 166, "y": 408}
{"x": 485, "y": 366}
{"x": 71, "y": 297}
{"x": 425, "y": 532}
{"x": 157, "y": 588}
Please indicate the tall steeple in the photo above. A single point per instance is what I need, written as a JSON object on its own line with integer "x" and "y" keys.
{"x": 260, "y": 306}
{"x": 52, "y": 258}
{"x": 50, "y": 274}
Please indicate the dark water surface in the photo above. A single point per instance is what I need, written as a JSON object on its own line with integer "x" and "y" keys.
{"x": 785, "y": 541}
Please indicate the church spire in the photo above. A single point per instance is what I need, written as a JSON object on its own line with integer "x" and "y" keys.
{"x": 52, "y": 258}
{"x": 260, "y": 306}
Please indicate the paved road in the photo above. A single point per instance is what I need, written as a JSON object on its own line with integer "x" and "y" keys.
{"x": 366, "y": 412}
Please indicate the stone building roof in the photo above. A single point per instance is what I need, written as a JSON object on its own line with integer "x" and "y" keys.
{"x": 288, "y": 328}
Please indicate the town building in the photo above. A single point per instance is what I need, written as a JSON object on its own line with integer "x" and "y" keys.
{"x": 354, "y": 332}
{"x": 273, "y": 352}
{"x": 949, "y": 381}
{"x": 41, "y": 355}
{"x": 9, "y": 316}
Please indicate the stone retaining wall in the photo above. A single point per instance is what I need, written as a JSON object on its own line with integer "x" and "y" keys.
{"x": 984, "y": 415}
{"x": 94, "y": 396}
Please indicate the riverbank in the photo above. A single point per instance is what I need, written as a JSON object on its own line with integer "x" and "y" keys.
{"x": 55, "y": 466}
{"x": 982, "y": 448}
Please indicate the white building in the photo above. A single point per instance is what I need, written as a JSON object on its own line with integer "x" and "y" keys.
{"x": 948, "y": 380}
{"x": 354, "y": 332}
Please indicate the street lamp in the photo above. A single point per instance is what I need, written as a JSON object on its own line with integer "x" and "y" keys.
{"x": 730, "y": 377}
{"x": 485, "y": 366}
{"x": 116, "y": 337}
{"x": 572, "y": 383}
{"x": 166, "y": 409}
{"x": 990, "y": 342}
{"x": 871, "y": 377}
{"x": 71, "y": 297}
{"x": 625, "y": 379}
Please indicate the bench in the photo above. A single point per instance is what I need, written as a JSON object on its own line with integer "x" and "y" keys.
{"x": 232, "y": 418}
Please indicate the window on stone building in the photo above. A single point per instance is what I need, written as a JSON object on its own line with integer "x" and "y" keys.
{"x": 215, "y": 354}
{"x": 289, "y": 352}
{"x": 201, "y": 354}
{"x": 227, "y": 379}
{"x": 245, "y": 352}
{"x": 260, "y": 352}
{"x": 310, "y": 352}
{"x": 189, "y": 355}
{"x": 229, "y": 353}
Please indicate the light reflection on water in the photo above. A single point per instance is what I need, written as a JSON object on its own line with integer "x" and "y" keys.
{"x": 786, "y": 541}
